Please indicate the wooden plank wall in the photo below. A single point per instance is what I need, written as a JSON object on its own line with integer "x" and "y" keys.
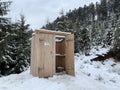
{"x": 45, "y": 55}
{"x": 69, "y": 59}
{"x": 48, "y": 55}
{"x": 40, "y": 55}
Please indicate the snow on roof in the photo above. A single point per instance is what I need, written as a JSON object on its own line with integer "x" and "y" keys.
{"x": 59, "y": 36}
{"x": 52, "y": 32}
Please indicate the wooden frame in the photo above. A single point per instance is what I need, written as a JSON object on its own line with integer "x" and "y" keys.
{"x": 47, "y": 54}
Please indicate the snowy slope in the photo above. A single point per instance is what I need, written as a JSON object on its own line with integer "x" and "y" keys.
{"x": 89, "y": 76}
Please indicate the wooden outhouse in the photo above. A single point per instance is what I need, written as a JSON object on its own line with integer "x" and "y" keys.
{"x": 52, "y": 52}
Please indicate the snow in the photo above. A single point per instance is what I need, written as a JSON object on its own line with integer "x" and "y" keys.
{"x": 58, "y": 36}
{"x": 44, "y": 30}
{"x": 89, "y": 76}
{"x": 1, "y": 40}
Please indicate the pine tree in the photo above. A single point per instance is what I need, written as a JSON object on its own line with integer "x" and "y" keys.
{"x": 117, "y": 39}
{"x": 116, "y": 7}
{"x": 98, "y": 11}
{"x": 103, "y": 9}
{"x": 109, "y": 36}
{"x": 92, "y": 12}
{"x": 76, "y": 30}
{"x": 16, "y": 55}
{"x": 84, "y": 41}
{"x": 5, "y": 25}
{"x": 94, "y": 34}
{"x": 22, "y": 46}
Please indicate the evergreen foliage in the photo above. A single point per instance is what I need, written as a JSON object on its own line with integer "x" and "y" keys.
{"x": 5, "y": 24}
{"x": 100, "y": 20}
{"x": 117, "y": 39}
{"x": 84, "y": 41}
{"x": 93, "y": 25}
{"x": 14, "y": 43}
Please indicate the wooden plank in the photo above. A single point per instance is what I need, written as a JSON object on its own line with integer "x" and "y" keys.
{"x": 40, "y": 54}
{"x": 34, "y": 60}
{"x": 54, "y": 56}
{"x": 34, "y": 49}
{"x": 32, "y": 57}
{"x": 52, "y": 32}
{"x": 44, "y": 50}
{"x": 69, "y": 59}
{"x": 48, "y": 55}
{"x": 63, "y": 47}
{"x": 60, "y": 47}
{"x": 43, "y": 55}
{"x": 58, "y": 50}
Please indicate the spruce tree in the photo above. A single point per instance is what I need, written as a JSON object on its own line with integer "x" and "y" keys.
{"x": 16, "y": 55}
{"x": 5, "y": 25}
{"x": 93, "y": 35}
{"x": 22, "y": 45}
{"x": 84, "y": 41}
{"x": 117, "y": 39}
{"x": 103, "y": 9}
{"x": 109, "y": 37}
{"x": 92, "y": 12}
{"x": 116, "y": 7}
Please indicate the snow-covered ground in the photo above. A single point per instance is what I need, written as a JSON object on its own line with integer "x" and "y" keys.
{"x": 89, "y": 76}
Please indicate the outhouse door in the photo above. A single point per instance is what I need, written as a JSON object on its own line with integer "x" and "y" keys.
{"x": 46, "y": 55}
{"x": 69, "y": 60}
